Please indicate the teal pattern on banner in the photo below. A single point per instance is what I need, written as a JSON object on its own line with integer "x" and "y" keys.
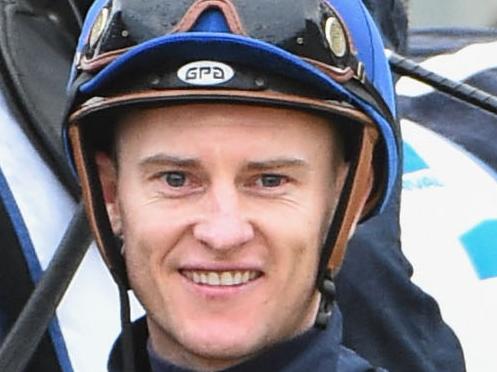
{"x": 480, "y": 244}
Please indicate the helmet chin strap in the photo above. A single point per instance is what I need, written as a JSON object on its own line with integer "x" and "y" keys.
{"x": 352, "y": 204}
{"x": 328, "y": 298}
{"x": 127, "y": 346}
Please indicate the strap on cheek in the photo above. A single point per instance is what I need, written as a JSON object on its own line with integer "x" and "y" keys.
{"x": 361, "y": 186}
{"x": 88, "y": 191}
{"x": 75, "y": 137}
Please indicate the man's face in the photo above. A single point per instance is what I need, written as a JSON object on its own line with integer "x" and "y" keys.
{"x": 222, "y": 210}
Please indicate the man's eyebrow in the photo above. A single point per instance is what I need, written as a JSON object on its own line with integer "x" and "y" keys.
{"x": 165, "y": 159}
{"x": 277, "y": 163}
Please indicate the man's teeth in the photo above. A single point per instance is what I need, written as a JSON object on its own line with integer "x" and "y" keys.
{"x": 223, "y": 278}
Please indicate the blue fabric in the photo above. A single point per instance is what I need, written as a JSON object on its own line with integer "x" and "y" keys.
{"x": 211, "y": 21}
{"x": 34, "y": 266}
{"x": 316, "y": 350}
{"x": 216, "y": 45}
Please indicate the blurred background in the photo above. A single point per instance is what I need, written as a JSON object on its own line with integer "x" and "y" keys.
{"x": 454, "y": 13}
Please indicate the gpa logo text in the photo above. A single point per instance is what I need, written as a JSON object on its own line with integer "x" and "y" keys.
{"x": 205, "y": 73}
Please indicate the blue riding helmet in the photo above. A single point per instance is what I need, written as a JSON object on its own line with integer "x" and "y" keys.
{"x": 320, "y": 55}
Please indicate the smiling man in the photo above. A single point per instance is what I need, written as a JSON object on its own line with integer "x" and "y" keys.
{"x": 223, "y": 209}
{"x": 226, "y": 152}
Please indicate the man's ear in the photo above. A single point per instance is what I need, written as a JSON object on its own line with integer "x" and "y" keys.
{"x": 107, "y": 174}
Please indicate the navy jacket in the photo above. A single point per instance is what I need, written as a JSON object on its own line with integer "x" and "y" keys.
{"x": 316, "y": 350}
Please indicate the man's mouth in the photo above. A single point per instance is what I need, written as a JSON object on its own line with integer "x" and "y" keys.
{"x": 221, "y": 278}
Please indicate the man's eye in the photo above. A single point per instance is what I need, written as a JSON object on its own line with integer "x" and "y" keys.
{"x": 175, "y": 179}
{"x": 271, "y": 180}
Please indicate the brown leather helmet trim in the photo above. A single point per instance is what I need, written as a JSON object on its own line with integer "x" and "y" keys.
{"x": 340, "y": 76}
{"x": 359, "y": 194}
{"x": 79, "y": 160}
{"x": 225, "y": 6}
{"x": 269, "y": 97}
{"x": 102, "y": 60}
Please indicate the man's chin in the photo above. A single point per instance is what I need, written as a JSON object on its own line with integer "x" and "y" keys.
{"x": 230, "y": 344}
{"x": 214, "y": 354}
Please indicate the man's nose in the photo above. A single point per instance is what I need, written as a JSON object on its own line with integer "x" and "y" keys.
{"x": 224, "y": 226}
